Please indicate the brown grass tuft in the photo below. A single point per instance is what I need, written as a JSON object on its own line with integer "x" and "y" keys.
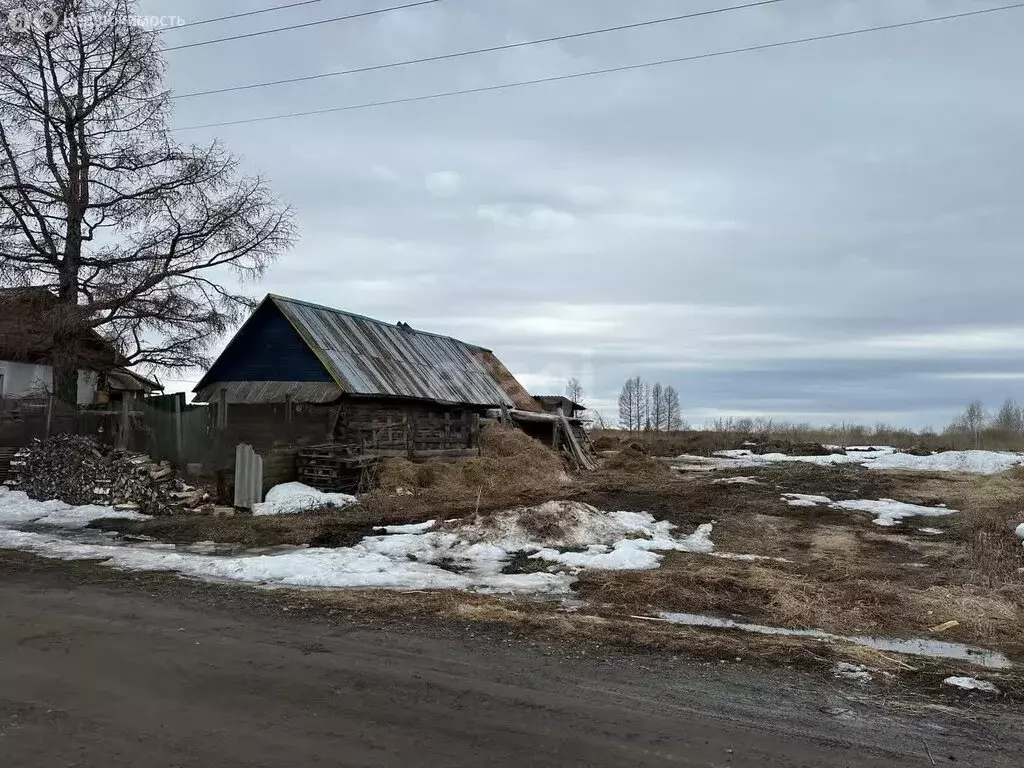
{"x": 821, "y": 599}
{"x": 637, "y": 463}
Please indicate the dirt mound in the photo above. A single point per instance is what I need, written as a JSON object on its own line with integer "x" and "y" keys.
{"x": 917, "y": 450}
{"x": 634, "y": 461}
{"x": 791, "y": 448}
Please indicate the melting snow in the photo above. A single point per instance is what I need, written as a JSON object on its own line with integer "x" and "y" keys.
{"x": 736, "y": 481}
{"x": 977, "y": 462}
{"x": 805, "y": 499}
{"x": 16, "y": 508}
{"x": 971, "y": 684}
{"x": 454, "y": 555}
{"x": 887, "y": 512}
{"x": 293, "y": 498}
{"x": 873, "y": 456}
{"x": 931, "y": 531}
{"x": 918, "y": 646}
{"x": 856, "y": 672}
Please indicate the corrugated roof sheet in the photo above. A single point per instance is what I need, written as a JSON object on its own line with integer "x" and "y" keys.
{"x": 253, "y": 392}
{"x": 370, "y": 357}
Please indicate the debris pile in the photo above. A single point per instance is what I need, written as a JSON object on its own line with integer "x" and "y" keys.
{"x": 77, "y": 470}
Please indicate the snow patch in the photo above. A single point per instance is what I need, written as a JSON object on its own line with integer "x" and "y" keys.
{"x": 452, "y": 555}
{"x": 736, "y": 481}
{"x": 920, "y": 646}
{"x": 805, "y": 499}
{"x": 294, "y": 498}
{"x": 931, "y": 531}
{"x": 873, "y": 456}
{"x": 1020, "y": 531}
{"x": 887, "y": 512}
{"x": 856, "y": 672}
{"x": 971, "y": 684}
{"x": 16, "y": 508}
{"x": 976, "y": 462}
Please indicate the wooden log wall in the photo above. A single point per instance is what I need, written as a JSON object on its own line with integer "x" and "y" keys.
{"x": 406, "y": 426}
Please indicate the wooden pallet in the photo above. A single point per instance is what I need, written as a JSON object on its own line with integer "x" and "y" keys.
{"x": 6, "y": 456}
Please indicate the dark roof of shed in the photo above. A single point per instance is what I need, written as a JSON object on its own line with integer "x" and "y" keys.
{"x": 370, "y": 357}
{"x": 558, "y": 399}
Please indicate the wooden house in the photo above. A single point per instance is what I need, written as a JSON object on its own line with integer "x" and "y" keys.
{"x": 307, "y": 374}
{"x": 29, "y": 326}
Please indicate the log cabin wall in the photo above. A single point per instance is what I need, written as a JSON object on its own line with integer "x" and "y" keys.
{"x": 406, "y": 427}
{"x": 265, "y": 425}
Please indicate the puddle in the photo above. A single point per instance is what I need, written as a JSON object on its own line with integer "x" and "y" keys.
{"x": 918, "y": 646}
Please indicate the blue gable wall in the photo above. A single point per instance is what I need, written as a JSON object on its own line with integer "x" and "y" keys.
{"x": 267, "y": 349}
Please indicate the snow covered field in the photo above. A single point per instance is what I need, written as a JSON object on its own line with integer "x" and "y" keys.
{"x": 567, "y": 536}
{"x": 874, "y": 457}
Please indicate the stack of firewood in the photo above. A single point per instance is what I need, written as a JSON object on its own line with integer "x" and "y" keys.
{"x": 77, "y": 470}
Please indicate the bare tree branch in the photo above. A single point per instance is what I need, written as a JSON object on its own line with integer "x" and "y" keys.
{"x": 139, "y": 234}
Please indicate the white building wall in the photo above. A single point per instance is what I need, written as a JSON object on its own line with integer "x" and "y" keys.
{"x": 26, "y": 379}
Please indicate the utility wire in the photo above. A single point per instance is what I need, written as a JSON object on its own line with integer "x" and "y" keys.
{"x": 476, "y": 51}
{"x": 275, "y": 30}
{"x": 241, "y": 15}
{"x": 609, "y": 70}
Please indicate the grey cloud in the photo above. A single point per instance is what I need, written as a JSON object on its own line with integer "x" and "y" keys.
{"x": 825, "y": 231}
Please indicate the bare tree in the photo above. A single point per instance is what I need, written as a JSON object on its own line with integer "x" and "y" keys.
{"x": 139, "y": 237}
{"x": 628, "y": 404}
{"x": 673, "y": 418}
{"x": 1009, "y": 420}
{"x": 574, "y": 390}
{"x": 595, "y": 418}
{"x": 971, "y": 422}
{"x": 643, "y": 404}
{"x": 657, "y": 407}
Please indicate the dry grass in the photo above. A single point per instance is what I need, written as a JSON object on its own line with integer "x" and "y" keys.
{"x": 734, "y": 433}
{"x": 637, "y": 464}
{"x": 322, "y": 529}
{"x": 513, "y": 469}
{"x": 821, "y": 597}
{"x": 990, "y": 507}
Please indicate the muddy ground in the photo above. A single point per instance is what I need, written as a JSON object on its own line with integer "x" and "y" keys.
{"x": 109, "y": 668}
{"x": 836, "y": 570}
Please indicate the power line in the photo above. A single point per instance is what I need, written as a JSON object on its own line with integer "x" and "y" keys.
{"x": 609, "y": 70}
{"x": 476, "y": 51}
{"x": 241, "y": 15}
{"x": 274, "y": 31}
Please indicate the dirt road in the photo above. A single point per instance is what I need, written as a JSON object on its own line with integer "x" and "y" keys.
{"x": 124, "y": 673}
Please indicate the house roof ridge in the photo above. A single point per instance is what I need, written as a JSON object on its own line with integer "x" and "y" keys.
{"x": 278, "y": 297}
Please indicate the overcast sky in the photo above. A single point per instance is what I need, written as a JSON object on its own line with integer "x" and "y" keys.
{"x": 821, "y": 232}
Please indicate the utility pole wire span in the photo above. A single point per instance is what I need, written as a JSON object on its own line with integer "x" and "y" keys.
{"x": 609, "y": 70}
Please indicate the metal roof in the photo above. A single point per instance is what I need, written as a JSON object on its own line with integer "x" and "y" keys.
{"x": 253, "y": 392}
{"x": 370, "y": 357}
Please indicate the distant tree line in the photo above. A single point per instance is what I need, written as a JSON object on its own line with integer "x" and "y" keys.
{"x": 649, "y": 407}
{"x": 984, "y": 428}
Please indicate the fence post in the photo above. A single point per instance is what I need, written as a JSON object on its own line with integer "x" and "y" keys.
{"x": 122, "y": 438}
{"x": 49, "y": 413}
{"x": 177, "y": 430}
{"x": 288, "y": 415}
